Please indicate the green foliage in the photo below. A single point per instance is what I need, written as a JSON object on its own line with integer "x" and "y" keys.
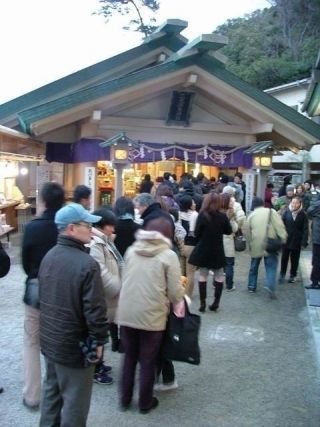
{"x": 109, "y": 8}
{"x": 274, "y": 46}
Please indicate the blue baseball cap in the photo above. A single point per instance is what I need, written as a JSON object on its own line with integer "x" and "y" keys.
{"x": 73, "y": 213}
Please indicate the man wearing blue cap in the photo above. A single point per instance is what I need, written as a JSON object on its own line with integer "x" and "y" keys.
{"x": 73, "y": 324}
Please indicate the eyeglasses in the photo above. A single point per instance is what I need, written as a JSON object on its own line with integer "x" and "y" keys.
{"x": 84, "y": 224}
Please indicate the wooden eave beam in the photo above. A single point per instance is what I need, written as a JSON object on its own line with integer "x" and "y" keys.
{"x": 134, "y": 123}
{"x": 254, "y": 109}
{"x": 113, "y": 100}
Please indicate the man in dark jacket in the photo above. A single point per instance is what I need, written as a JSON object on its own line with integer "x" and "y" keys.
{"x": 283, "y": 188}
{"x": 40, "y": 235}
{"x": 150, "y": 209}
{"x": 314, "y": 214}
{"x": 72, "y": 313}
{"x": 296, "y": 223}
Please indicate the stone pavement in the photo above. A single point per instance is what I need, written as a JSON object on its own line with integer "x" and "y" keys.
{"x": 259, "y": 363}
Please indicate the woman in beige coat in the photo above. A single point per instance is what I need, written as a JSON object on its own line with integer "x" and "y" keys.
{"x": 103, "y": 250}
{"x": 151, "y": 280}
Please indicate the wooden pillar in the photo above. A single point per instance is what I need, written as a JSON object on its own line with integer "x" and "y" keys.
{"x": 262, "y": 182}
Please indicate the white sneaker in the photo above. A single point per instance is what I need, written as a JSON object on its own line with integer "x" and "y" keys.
{"x": 231, "y": 289}
{"x": 165, "y": 387}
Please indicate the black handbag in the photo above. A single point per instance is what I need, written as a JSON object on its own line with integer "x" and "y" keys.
{"x": 240, "y": 242}
{"x": 181, "y": 340}
{"x": 273, "y": 245}
{"x": 31, "y": 294}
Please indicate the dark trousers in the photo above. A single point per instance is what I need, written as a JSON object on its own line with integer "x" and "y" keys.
{"x": 294, "y": 255}
{"x": 166, "y": 369}
{"x": 66, "y": 395}
{"x": 143, "y": 347}
{"x": 228, "y": 269}
{"x": 315, "y": 272}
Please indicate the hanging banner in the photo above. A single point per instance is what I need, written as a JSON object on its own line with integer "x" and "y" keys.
{"x": 90, "y": 181}
{"x": 250, "y": 185}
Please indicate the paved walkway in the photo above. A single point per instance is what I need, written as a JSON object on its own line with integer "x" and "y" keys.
{"x": 259, "y": 364}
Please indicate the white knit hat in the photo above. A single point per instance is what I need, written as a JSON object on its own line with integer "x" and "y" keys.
{"x": 230, "y": 190}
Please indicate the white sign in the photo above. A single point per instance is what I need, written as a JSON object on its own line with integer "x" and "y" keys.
{"x": 249, "y": 181}
{"x": 90, "y": 181}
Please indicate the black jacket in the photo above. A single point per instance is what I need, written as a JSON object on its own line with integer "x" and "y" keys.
{"x": 209, "y": 232}
{"x": 125, "y": 231}
{"x": 297, "y": 229}
{"x": 154, "y": 211}
{"x": 314, "y": 214}
{"x": 39, "y": 236}
{"x": 4, "y": 262}
{"x": 72, "y": 302}
{"x": 146, "y": 186}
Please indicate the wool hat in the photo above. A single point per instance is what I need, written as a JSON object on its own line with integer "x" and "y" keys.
{"x": 229, "y": 190}
{"x": 74, "y": 213}
{"x": 290, "y": 187}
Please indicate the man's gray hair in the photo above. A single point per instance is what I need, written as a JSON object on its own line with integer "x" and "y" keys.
{"x": 144, "y": 199}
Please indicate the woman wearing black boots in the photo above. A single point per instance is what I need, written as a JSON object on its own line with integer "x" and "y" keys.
{"x": 208, "y": 253}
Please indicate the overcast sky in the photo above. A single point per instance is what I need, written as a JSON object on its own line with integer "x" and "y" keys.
{"x": 44, "y": 40}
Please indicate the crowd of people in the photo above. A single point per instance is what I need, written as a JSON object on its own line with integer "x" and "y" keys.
{"x": 117, "y": 271}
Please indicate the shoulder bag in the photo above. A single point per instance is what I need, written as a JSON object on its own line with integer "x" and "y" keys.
{"x": 240, "y": 242}
{"x": 181, "y": 340}
{"x": 273, "y": 245}
{"x": 31, "y": 294}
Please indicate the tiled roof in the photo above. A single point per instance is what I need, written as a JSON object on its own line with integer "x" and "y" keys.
{"x": 27, "y": 117}
{"x": 216, "y": 68}
{"x": 205, "y": 61}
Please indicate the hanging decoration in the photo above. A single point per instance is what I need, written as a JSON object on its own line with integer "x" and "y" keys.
{"x": 218, "y": 157}
{"x": 142, "y": 151}
{"x": 90, "y": 150}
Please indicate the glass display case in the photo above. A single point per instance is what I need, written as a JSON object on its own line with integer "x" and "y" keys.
{"x": 105, "y": 183}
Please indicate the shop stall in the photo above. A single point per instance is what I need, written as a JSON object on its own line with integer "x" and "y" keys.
{"x": 19, "y": 157}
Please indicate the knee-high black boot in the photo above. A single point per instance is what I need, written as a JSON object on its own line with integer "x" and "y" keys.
{"x": 203, "y": 295}
{"x": 218, "y": 286}
{"x": 113, "y": 328}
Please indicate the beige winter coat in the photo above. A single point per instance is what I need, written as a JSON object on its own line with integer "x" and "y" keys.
{"x": 228, "y": 240}
{"x": 110, "y": 272}
{"x": 240, "y": 216}
{"x": 151, "y": 279}
{"x": 256, "y": 229}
